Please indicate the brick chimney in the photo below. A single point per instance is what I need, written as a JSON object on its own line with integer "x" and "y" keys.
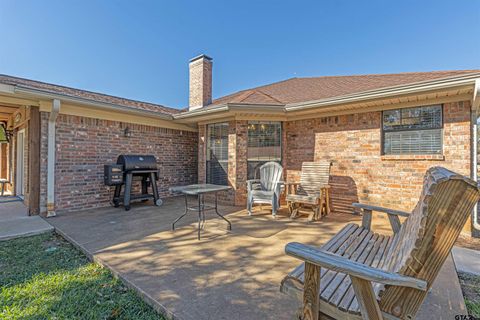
{"x": 200, "y": 93}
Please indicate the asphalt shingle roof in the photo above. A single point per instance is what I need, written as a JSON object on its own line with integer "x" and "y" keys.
{"x": 296, "y": 90}
{"x": 78, "y": 93}
{"x": 292, "y": 90}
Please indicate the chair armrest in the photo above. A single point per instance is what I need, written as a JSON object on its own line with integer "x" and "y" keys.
{"x": 338, "y": 263}
{"x": 251, "y": 182}
{"x": 380, "y": 209}
{"x": 279, "y": 185}
{"x": 393, "y": 215}
{"x": 291, "y": 187}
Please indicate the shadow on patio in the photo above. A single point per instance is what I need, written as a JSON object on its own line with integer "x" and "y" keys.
{"x": 227, "y": 274}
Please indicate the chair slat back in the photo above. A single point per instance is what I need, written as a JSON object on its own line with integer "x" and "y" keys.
{"x": 270, "y": 174}
{"x": 426, "y": 238}
{"x": 314, "y": 175}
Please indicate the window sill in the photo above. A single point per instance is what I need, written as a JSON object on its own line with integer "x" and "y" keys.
{"x": 413, "y": 157}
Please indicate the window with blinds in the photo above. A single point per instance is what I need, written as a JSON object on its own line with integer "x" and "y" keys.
{"x": 217, "y": 153}
{"x": 264, "y": 145}
{"x": 413, "y": 130}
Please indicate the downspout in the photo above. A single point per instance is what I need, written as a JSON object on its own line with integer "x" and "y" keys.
{"x": 474, "y": 146}
{"x": 51, "y": 158}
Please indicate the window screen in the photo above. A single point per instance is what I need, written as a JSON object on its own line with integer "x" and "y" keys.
{"x": 413, "y": 130}
{"x": 217, "y": 153}
{"x": 264, "y": 145}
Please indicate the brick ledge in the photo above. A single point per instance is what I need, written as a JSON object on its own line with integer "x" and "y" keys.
{"x": 414, "y": 157}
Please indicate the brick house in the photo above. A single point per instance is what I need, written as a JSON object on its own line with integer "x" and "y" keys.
{"x": 380, "y": 131}
{"x": 76, "y": 132}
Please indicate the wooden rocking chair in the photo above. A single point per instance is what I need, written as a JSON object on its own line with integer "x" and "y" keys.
{"x": 313, "y": 190}
{"x": 362, "y": 274}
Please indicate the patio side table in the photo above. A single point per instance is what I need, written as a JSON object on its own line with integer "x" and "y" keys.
{"x": 200, "y": 190}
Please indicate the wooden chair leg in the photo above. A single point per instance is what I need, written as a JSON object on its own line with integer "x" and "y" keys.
{"x": 366, "y": 299}
{"x": 314, "y": 214}
{"x": 327, "y": 201}
{"x": 295, "y": 208}
{"x": 311, "y": 290}
{"x": 321, "y": 207}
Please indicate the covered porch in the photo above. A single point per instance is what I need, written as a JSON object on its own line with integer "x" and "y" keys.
{"x": 227, "y": 274}
{"x": 20, "y": 144}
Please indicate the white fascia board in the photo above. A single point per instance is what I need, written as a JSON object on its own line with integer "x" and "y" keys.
{"x": 238, "y": 107}
{"x": 202, "y": 111}
{"x": 7, "y": 88}
{"x": 280, "y": 108}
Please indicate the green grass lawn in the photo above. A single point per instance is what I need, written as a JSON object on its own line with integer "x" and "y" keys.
{"x": 471, "y": 291}
{"x": 45, "y": 277}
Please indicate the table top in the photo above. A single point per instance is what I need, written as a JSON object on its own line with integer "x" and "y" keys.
{"x": 196, "y": 189}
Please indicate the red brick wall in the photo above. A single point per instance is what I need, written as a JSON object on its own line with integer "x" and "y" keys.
{"x": 359, "y": 172}
{"x": 84, "y": 145}
{"x": 237, "y": 162}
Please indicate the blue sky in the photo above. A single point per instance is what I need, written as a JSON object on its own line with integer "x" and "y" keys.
{"x": 140, "y": 49}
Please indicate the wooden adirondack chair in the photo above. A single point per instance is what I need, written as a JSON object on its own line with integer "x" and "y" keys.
{"x": 362, "y": 274}
{"x": 313, "y": 190}
{"x": 267, "y": 189}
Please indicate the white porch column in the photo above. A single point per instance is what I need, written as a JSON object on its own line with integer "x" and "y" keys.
{"x": 51, "y": 158}
{"x": 474, "y": 146}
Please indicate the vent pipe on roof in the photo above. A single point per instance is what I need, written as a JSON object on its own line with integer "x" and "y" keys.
{"x": 200, "y": 88}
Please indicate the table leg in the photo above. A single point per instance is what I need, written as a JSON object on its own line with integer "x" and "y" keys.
{"x": 199, "y": 215}
{"x": 203, "y": 211}
{"x": 183, "y": 215}
{"x": 218, "y": 213}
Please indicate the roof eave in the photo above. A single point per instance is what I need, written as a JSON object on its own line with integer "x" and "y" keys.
{"x": 388, "y": 92}
{"x": 26, "y": 90}
{"x": 202, "y": 111}
{"x": 237, "y": 107}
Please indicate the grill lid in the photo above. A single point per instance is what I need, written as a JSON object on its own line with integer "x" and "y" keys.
{"x": 137, "y": 162}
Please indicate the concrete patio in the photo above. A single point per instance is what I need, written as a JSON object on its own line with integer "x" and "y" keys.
{"x": 15, "y": 221}
{"x": 227, "y": 274}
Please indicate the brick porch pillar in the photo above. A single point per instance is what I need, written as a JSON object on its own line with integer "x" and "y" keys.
{"x": 237, "y": 160}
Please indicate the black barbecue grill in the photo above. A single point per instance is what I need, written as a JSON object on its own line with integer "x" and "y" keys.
{"x": 122, "y": 174}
